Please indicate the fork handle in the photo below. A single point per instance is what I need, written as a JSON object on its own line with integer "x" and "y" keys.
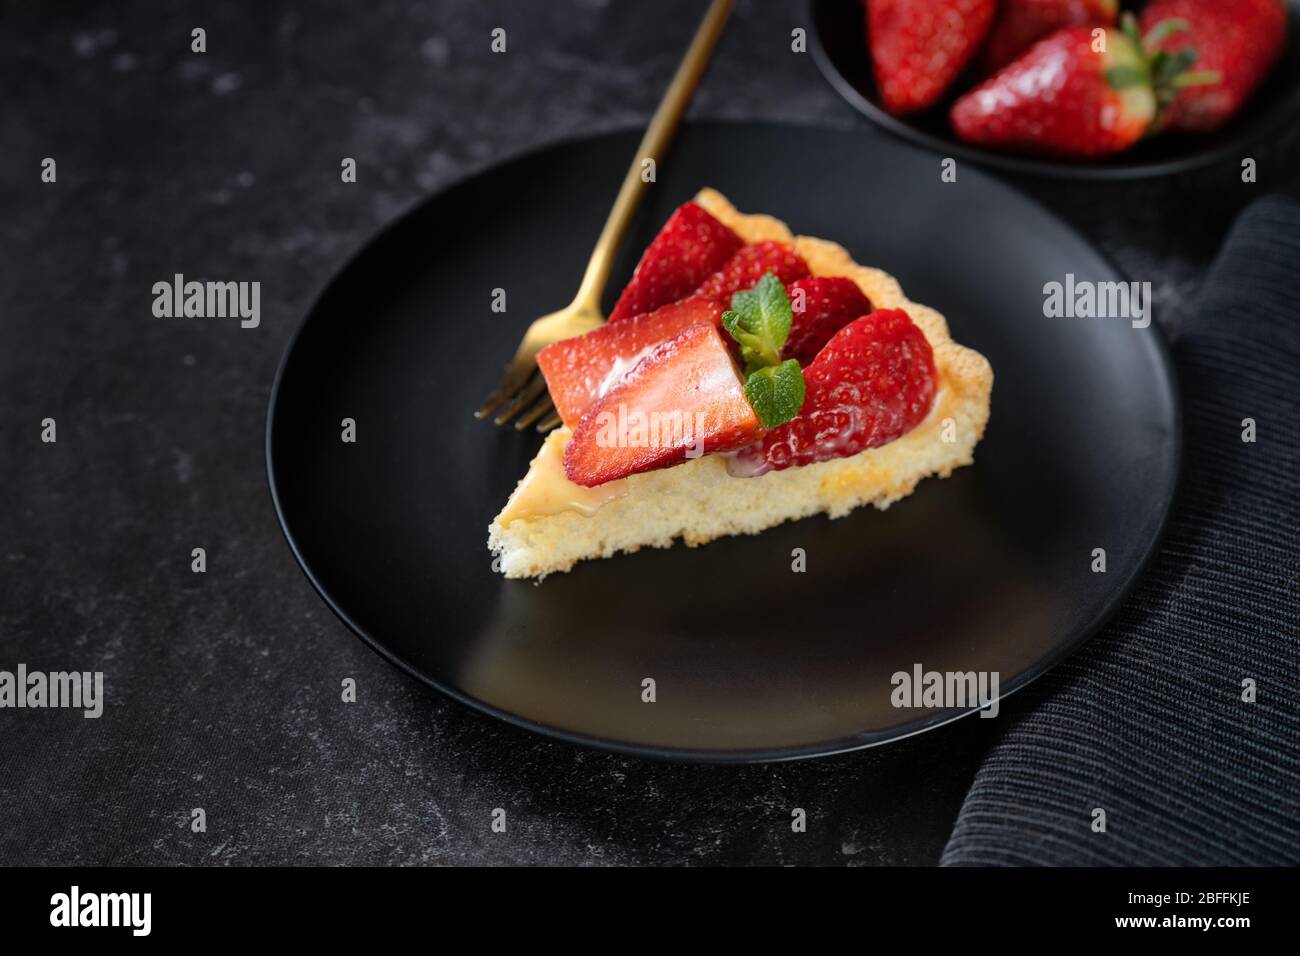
{"x": 653, "y": 145}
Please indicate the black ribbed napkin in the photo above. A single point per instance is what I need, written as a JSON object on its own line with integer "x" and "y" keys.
{"x": 1147, "y": 723}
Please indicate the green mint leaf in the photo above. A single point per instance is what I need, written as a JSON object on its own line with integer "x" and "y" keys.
{"x": 776, "y": 392}
{"x": 759, "y": 319}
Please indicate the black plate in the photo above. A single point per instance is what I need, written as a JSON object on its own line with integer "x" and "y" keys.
{"x": 840, "y": 49}
{"x": 988, "y": 570}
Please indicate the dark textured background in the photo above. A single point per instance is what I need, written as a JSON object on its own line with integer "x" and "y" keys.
{"x": 223, "y": 689}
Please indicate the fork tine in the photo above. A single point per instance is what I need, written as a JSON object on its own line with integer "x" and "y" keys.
{"x": 516, "y": 374}
{"x": 540, "y": 408}
{"x": 583, "y": 313}
{"x": 536, "y": 385}
{"x": 549, "y": 422}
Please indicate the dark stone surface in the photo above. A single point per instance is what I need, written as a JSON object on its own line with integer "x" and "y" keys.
{"x": 223, "y": 689}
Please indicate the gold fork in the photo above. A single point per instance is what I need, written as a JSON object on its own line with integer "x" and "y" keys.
{"x": 522, "y": 388}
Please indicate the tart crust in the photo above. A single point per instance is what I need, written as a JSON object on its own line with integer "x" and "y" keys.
{"x": 699, "y": 500}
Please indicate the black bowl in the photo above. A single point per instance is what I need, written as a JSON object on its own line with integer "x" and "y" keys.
{"x": 840, "y": 50}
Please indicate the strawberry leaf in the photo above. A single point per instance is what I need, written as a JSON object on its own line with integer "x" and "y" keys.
{"x": 1197, "y": 78}
{"x": 759, "y": 319}
{"x": 1128, "y": 25}
{"x": 1166, "y": 67}
{"x": 1163, "y": 29}
{"x": 776, "y": 392}
{"x": 1122, "y": 77}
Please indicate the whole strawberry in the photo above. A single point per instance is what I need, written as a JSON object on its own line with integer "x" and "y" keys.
{"x": 1071, "y": 95}
{"x": 1235, "y": 44}
{"x": 1022, "y": 23}
{"x": 919, "y": 46}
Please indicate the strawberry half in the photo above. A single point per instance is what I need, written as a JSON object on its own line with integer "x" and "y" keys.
{"x": 1022, "y": 23}
{"x": 1236, "y": 43}
{"x": 690, "y": 247}
{"x": 747, "y": 266}
{"x": 580, "y": 370}
{"x": 1064, "y": 98}
{"x": 919, "y": 46}
{"x": 821, "y": 307}
{"x": 684, "y": 396}
{"x": 872, "y": 383}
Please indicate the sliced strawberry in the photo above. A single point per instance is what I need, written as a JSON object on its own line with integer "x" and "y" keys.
{"x": 580, "y": 370}
{"x": 821, "y": 307}
{"x": 872, "y": 383}
{"x": 747, "y": 266}
{"x": 689, "y": 248}
{"x": 684, "y": 396}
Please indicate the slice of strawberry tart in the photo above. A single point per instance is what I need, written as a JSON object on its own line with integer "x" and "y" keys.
{"x": 746, "y": 377}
